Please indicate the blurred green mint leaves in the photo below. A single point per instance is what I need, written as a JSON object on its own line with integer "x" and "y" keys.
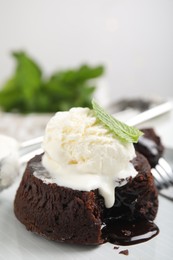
{"x": 28, "y": 90}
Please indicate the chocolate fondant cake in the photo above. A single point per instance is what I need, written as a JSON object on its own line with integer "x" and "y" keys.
{"x": 66, "y": 215}
{"x": 89, "y": 186}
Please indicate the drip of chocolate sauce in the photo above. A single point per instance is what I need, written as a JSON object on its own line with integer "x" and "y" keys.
{"x": 123, "y": 232}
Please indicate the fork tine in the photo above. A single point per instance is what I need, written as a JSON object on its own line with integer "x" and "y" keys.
{"x": 165, "y": 165}
{"x": 163, "y": 174}
{"x": 158, "y": 179}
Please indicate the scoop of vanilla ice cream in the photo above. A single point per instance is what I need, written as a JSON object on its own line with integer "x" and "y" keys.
{"x": 81, "y": 153}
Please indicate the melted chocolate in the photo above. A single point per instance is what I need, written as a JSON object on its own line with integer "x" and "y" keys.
{"x": 122, "y": 232}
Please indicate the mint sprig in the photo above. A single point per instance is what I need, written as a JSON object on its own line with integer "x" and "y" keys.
{"x": 28, "y": 90}
{"x": 123, "y": 132}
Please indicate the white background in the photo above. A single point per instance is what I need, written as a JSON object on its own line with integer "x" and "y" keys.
{"x": 132, "y": 38}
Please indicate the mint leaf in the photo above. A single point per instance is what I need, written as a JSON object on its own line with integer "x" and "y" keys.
{"x": 20, "y": 92}
{"x": 123, "y": 132}
{"x": 28, "y": 78}
{"x": 72, "y": 87}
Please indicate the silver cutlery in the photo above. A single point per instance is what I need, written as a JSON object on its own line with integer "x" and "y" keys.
{"x": 163, "y": 174}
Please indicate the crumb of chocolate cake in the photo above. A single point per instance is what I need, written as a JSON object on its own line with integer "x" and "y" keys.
{"x": 116, "y": 247}
{"x": 124, "y": 252}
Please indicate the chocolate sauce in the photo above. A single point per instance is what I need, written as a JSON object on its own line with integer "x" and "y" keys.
{"x": 122, "y": 232}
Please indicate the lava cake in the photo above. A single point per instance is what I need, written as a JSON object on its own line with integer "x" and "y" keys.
{"x": 66, "y": 215}
{"x": 61, "y": 195}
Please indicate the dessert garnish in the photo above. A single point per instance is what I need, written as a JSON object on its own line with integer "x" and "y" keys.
{"x": 124, "y": 132}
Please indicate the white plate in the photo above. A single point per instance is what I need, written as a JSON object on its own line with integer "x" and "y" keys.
{"x": 19, "y": 244}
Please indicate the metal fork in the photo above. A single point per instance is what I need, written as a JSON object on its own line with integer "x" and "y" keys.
{"x": 163, "y": 174}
